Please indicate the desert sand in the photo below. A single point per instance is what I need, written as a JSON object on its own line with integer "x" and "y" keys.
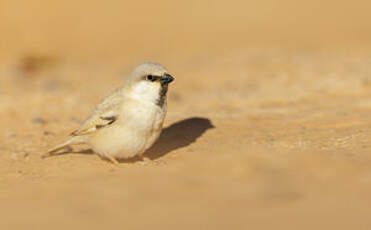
{"x": 268, "y": 125}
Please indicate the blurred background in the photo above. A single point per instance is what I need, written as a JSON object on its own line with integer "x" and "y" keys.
{"x": 268, "y": 125}
{"x": 120, "y": 29}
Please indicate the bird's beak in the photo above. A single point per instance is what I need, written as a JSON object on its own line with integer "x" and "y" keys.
{"x": 167, "y": 78}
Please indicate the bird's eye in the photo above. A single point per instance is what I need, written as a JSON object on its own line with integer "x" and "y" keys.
{"x": 151, "y": 78}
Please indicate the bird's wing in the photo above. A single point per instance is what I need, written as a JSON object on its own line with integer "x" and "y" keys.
{"x": 105, "y": 114}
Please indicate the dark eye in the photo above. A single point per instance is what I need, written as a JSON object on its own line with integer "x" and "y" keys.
{"x": 151, "y": 78}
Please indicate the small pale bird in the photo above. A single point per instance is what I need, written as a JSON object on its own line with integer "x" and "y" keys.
{"x": 129, "y": 120}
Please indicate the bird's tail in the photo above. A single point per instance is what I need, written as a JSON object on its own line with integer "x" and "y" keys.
{"x": 72, "y": 141}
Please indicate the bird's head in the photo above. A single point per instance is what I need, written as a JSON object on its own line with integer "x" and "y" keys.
{"x": 149, "y": 81}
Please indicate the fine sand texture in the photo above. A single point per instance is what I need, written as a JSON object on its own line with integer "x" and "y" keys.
{"x": 268, "y": 124}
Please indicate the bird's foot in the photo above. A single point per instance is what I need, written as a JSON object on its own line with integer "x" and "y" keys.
{"x": 145, "y": 161}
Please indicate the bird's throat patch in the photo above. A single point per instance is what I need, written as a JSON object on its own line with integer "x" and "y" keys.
{"x": 162, "y": 97}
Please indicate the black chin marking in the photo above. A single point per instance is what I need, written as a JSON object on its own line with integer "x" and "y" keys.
{"x": 162, "y": 95}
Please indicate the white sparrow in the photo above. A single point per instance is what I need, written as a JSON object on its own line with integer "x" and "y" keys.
{"x": 129, "y": 120}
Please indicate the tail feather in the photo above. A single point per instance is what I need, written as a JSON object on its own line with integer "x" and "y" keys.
{"x": 72, "y": 141}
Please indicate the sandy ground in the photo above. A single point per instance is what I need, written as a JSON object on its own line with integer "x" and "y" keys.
{"x": 268, "y": 124}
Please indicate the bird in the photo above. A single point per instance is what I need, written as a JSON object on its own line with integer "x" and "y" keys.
{"x": 129, "y": 120}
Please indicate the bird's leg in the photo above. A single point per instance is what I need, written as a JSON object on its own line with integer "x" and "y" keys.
{"x": 148, "y": 161}
{"x": 142, "y": 160}
{"x": 112, "y": 160}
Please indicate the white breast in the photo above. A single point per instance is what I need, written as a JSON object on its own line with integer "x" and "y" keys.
{"x": 137, "y": 128}
{"x": 145, "y": 91}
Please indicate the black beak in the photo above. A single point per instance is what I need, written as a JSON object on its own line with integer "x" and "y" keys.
{"x": 166, "y": 79}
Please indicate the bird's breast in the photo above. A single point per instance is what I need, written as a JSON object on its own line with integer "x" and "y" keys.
{"x": 144, "y": 117}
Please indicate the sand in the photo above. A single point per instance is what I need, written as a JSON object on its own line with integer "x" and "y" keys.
{"x": 268, "y": 125}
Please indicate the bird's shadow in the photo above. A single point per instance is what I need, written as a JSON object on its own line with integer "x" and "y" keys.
{"x": 175, "y": 136}
{"x": 178, "y": 135}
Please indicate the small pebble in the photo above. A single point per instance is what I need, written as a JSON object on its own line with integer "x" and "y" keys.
{"x": 46, "y": 133}
{"x": 38, "y": 120}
